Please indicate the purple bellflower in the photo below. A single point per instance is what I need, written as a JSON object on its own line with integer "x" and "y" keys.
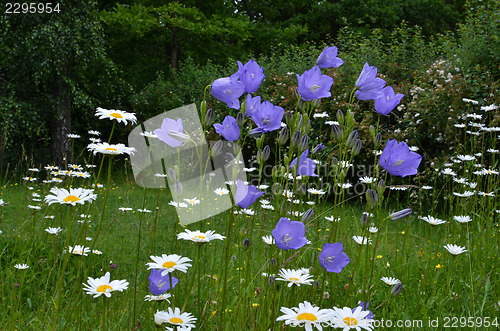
{"x": 365, "y": 308}
{"x": 268, "y": 117}
{"x": 246, "y": 195}
{"x": 333, "y": 258}
{"x": 289, "y": 234}
{"x": 398, "y": 160}
{"x": 251, "y": 75}
{"x": 306, "y": 166}
{"x": 328, "y": 58}
{"x": 385, "y": 103}
{"x": 313, "y": 85}
{"x": 368, "y": 83}
{"x": 159, "y": 284}
{"x": 168, "y": 125}
{"x": 252, "y": 103}
{"x": 228, "y": 129}
{"x": 228, "y": 90}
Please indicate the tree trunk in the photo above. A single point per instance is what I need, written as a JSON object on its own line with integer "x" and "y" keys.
{"x": 174, "y": 52}
{"x": 61, "y": 125}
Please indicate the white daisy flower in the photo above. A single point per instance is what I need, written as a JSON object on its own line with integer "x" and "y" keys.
{"x": 184, "y": 321}
{"x": 148, "y": 134}
{"x": 268, "y": 240}
{"x": 489, "y": 172}
{"x": 249, "y": 169}
{"x": 30, "y": 179}
{"x": 459, "y": 125}
{"x": 373, "y": 229}
{"x": 454, "y": 249}
{"x": 390, "y": 280}
{"x": 144, "y": 210}
{"x": 193, "y": 201}
{"x": 93, "y": 132}
{"x": 34, "y": 207}
{"x": 320, "y": 115}
{"x": 362, "y": 240}
{"x": 96, "y": 252}
{"x": 2, "y": 202}
{"x": 247, "y": 211}
{"x": 21, "y": 266}
{"x": 34, "y": 169}
{"x": 99, "y": 286}
{"x": 125, "y": 209}
{"x": 95, "y": 140}
{"x": 432, "y": 220}
{"x": 316, "y": 191}
{"x": 115, "y": 114}
{"x": 462, "y": 219}
{"x": 198, "y": 236}
{"x": 426, "y": 187}
{"x": 169, "y": 263}
{"x": 270, "y": 207}
{"x": 490, "y": 107}
{"x": 486, "y": 194}
{"x": 297, "y": 277}
{"x": 448, "y": 171}
{"x": 80, "y": 174}
{"x": 332, "y": 219}
{"x": 78, "y": 250}
{"x": 413, "y": 148}
{"x": 50, "y": 216}
{"x": 460, "y": 180}
{"x": 73, "y": 136}
{"x": 367, "y": 180}
{"x": 305, "y": 316}
{"x": 110, "y": 149}
{"x": 221, "y": 191}
{"x": 348, "y": 319}
{"x": 73, "y": 196}
{"x": 332, "y": 123}
{"x": 492, "y": 150}
{"x": 161, "y": 297}
{"x": 263, "y": 187}
{"x": 344, "y": 185}
{"x": 464, "y": 195}
{"x": 466, "y": 157}
{"x": 53, "y": 230}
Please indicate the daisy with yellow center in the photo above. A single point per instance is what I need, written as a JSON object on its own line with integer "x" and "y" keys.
{"x": 115, "y": 114}
{"x": 297, "y": 277}
{"x": 169, "y": 263}
{"x": 305, "y": 316}
{"x": 72, "y": 197}
{"x": 198, "y": 236}
{"x": 78, "y": 250}
{"x": 103, "y": 285}
{"x": 110, "y": 149}
{"x": 184, "y": 321}
{"x": 347, "y": 319}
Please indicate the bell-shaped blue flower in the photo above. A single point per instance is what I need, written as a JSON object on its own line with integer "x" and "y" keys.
{"x": 333, "y": 258}
{"x": 229, "y": 129}
{"x": 289, "y": 234}
{"x": 251, "y": 75}
{"x": 329, "y": 59}
{"x": 386, "y": 102}
{"x": 246, "y": 195}
{"x": 168, "y": 125}
{"x": 398, "y": 160}
{"x": 313, "y": 85}
{"x": 228, "y": 90}
{"x": 252, "y": 103}
{"x": 268, "y": 117}
{"x": 159, "y": 284}
{"x": 368, "y": 83}
{"x": 306, "y": 165}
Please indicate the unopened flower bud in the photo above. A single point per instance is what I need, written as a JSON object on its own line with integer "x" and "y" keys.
{"x": 340, "y": 117}
{"x": 240, "y": 119}
{"x": 209, "y": 117}
{"x": 318, "y": 148}
{"x": 307, "y": 215}
{"x": 302, "y": 189}
{"x": 283, "y": 207}
{"x": 246, "y": 243}
{"x": 256, "y": 132}
{"x": 377, "y": 140}
{"x": 356, "y": 148}
{"x": 266, "y": 152}
{"x": 217, "y": 148}
{"x": 276, "y": 189}
{"x": 295, "y": 139}
{"x": 300, "y": 119}
{"x": 178, "y": 188}
{"x": 179, "y": 136}
{"x": 283, "y": 136}
{"x": 353, "y": 136}
{"x": 229, "y": 157}
{"x": 271, "y": 280}
{"x": 336, "y": 132}
{"x": 316, "y": 284}
{"x": 380, "y": 187}
{"x": 400, "y": 214}
{"x": 364, "y": 220}
{"x": 304, "y": 142}
{"x": 371, "y": 129}
{"x": 171, "y": 175}
{"x": 396, "y": 289}
{"x": 288, "y": 118}
{"x": 273, "y": 261}
{"x": 372, "y": 197}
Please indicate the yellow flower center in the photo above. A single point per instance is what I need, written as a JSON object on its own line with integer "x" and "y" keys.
{"x": 176, "y": 320}
{"x": 111, "y": 149}
{"x": 294, "y": 279}
{"x": 200, "y": 237}
{"x": 315, "y": 88}
{"x": 350, "y": 321}
{"x": 103, "y": 288}
{"x": 116, "y": 115}
{"x": 71, "y": 198}
{"x": 168, "y": 264}
{"x": 307, "y": 317}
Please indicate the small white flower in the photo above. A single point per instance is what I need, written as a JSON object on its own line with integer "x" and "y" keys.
{"x": 390, "y": 280}
{"x": 454, "y": 249}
